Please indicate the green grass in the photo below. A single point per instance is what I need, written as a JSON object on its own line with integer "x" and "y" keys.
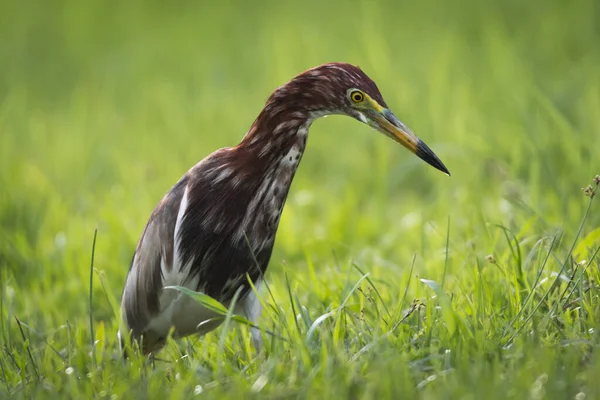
{"x": 389, "y": 279}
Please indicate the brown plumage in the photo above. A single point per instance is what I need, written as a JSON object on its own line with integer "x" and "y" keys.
{"x": 217, "y": 225}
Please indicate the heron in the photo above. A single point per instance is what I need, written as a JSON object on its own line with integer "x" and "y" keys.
{"x": 215, "y": 229}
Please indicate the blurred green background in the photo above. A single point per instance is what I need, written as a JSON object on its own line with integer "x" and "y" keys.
{"x": 105, "y": 104}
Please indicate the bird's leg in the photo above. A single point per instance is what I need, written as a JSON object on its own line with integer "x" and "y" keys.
{"x": 251, "y": 308}
{"x": 256, "y": 339}
{"x": 252, "y": 316}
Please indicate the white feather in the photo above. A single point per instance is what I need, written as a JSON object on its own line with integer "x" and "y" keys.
{"x": 362, "y": 118}
{"x": 176, "y": 309}
{"x": 290, "y": 158}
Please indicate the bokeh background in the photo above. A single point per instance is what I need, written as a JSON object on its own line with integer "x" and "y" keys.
{"x": 105, "y": 104}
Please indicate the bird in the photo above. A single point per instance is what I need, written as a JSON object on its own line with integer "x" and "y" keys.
{"x": 213, "y": 232}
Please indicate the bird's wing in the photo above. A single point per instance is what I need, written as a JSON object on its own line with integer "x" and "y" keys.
{"x": 202, "y": 235}
{"x": 154, "y": 253}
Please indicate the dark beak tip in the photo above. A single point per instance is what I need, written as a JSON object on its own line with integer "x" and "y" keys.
{"x": 426, "y": 154}
{"x": 443, "y": 169}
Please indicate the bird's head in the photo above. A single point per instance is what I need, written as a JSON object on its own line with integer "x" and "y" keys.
{"x": 340, "y": 88}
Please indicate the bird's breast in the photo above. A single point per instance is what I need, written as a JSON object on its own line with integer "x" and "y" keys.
{"x": 230, "y": 214}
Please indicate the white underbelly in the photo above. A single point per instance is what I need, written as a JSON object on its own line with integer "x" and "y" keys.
{"x": 187, "y": 316}
{"x": 184, "y": 314}
{"x": 178, "y": 310}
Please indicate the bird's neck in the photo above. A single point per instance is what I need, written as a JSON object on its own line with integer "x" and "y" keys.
{"x": 282, "y": 125}
{"x": 275, "y": 144}
{"x": 277, "y": 138}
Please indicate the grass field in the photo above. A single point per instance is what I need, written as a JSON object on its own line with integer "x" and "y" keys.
{"x": 388, "y": 279}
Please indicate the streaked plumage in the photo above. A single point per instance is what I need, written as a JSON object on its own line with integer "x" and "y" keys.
{"x": 217, "y": 225}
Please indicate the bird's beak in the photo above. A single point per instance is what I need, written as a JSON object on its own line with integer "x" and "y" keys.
{"x": 391, "y": 126}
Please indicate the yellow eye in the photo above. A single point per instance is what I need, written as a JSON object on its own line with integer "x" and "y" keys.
{"x": 357, "y": 96}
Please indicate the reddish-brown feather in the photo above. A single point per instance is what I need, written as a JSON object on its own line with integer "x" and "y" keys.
{"x": 234, "y": 200}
